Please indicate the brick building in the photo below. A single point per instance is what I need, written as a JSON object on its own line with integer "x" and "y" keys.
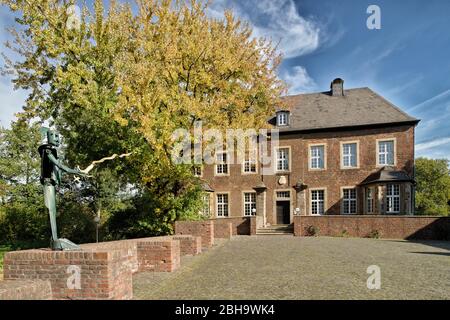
{"x": 340, "y": 152}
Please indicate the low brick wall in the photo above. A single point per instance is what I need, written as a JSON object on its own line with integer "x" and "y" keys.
{"x": 129, "y": 246}
{"x": 223, "y": 230}
{"x": 161, "y": 255}
{"x": 203, "y": 229}
{"x": 253, "y": 226}
{"x": 189, "y": 245}
{"x": 88, "y": 274}
{"x": 105, "y": 269}
{"x": 240, "y": 225}
{"x": 165, "y": 253}
{"x": 393, "y": 227}
{"x": 25, "y": 290}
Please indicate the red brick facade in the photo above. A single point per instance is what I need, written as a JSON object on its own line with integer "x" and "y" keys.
{"x": 331, "y": 179}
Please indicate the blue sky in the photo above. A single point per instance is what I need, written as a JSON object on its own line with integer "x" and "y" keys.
{"x": 407, "y": 61}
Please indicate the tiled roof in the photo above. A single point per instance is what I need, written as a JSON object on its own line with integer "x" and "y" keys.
{"x": 358, "y": 107}
{"x": 388, "y": 174}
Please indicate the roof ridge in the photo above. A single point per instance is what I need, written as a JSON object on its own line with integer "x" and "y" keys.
{"x": 393, "y": 105}
{"x": 323, "y": 92}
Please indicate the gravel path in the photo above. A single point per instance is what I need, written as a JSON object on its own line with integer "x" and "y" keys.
{"x": 287, "y": 267}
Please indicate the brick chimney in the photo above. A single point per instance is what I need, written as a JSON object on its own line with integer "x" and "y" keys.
{"x": 337, "y": 87}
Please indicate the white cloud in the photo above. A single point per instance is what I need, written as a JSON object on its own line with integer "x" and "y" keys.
{"x": 278, "y": 20}
{"x": 432, "y": 144}
{"x": 299, "y": 80}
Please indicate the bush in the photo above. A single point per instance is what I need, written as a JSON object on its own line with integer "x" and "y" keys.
{"x": 312, "y": 231}
{"x": 344, "y": 233}
{"x": 24, "y": 227}
{"x": 374, "y": 234}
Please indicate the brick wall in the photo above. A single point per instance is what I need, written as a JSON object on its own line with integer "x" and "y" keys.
{"x": 25, "y": 290}
{"x": 161, "y": 255}
{"x": 393, "y": 227}
{"x": 105, "y": 268}
{"x": 129, "y": 246}
{"x": 223, "y": 230}
{"x": 102, "y": 274}
{"x": 239, "y": 225}
{"x": 253, "y": 226}
{"x": 203, "y": 229}
{"x": 189, "y": 245}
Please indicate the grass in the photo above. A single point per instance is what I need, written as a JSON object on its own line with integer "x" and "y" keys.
{"x": 3, "y": 250}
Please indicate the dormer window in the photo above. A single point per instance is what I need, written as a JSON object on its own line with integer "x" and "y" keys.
{"x": 282, "y": 118}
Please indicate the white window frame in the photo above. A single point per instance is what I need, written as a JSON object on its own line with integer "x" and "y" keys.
{"x": 223, "y": 205}
{"x": 311, "y": 157}
{"x": 282, "y": 115}
{"x": 394, "y": 151}
{"x": 392, "y": 198}
{"x": 311, "y": 201}
{"x": 288, "y": 148}
{"x": 349, "y": 155}
{"x": 283, "y": 191}
{"x": 220, "y": 164}
{"x": 249, "y": 161}
{"x": 248, "y": 204}
{"x": 349, "y": 200}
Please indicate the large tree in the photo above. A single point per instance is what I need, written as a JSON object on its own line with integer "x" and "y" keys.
{"x": 124, "y": 79}
{"x": 433, "y": 186}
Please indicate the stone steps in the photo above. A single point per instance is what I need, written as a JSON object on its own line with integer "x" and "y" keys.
{"x": 276, "y": 229}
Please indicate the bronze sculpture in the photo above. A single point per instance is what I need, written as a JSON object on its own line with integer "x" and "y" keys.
{"x": 51, "y": 169}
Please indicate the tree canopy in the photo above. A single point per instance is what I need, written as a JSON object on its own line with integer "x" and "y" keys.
{"x": 433, "y": 186}
{"x": 124, "y": 77}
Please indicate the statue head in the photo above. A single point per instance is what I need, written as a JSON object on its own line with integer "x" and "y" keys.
{"x": 51, "y": 136}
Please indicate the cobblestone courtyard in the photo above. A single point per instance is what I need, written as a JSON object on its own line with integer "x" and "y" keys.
{"x": 286, "y": 267}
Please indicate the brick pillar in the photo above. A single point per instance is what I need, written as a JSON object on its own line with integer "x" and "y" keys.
{"x": 260, "y": 204}
{"x": 260, "y": 214}
{"x": 300, "y": 197}
{"x": 408, "y": 199}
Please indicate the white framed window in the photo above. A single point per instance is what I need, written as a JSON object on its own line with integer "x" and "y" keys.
{"x": 349, "y": 201}
{"x": 282, "y": 159}
{"x": 222, "y": 204}
{"x": 317, "y": 202}
{"x": 282, "y": 118}
{"x": 206, "y": 205}
{"x": 249, "y": 165}
{"x": 317, "y": 156}
{"x": 349, "y": 155}
{"x": 249, "y": 203}
{"x": 369, "y": 200}
{"x": 222, "y": 167}
{"x": 386, "y": 152}
{"x": 281, "y": 195}
{"x": 393, "y": 198}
